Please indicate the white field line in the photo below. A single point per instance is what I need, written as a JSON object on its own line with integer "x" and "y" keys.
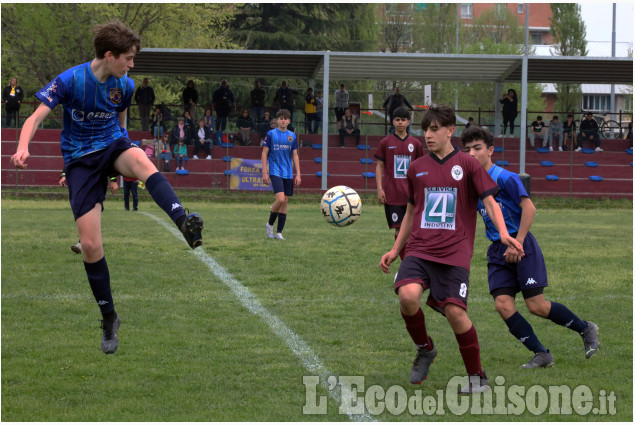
{"x": 301, "y": 349}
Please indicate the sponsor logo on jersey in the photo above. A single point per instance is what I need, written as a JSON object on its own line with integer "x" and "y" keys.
{"x": 423, "y": 173}
{"x": 115, "y": 95}
{"x": 457, "y": 172}
{"x": 77, "y": 115}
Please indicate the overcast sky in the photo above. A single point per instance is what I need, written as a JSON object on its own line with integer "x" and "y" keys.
{"x": 598, "y": 18}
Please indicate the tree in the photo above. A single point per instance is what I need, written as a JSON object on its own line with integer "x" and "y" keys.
{"x": 569, "y": 36}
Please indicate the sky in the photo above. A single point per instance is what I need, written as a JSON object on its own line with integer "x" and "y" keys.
{"x": 598, "y": 18}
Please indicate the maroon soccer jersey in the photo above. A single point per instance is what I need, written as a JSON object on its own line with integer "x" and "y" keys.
{"x": 397, "y": 155}
{"x": 445, "y": 195}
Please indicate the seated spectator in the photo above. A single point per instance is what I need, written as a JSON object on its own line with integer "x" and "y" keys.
{"x": 264, "y": 126}
{"x": 164, "y": 153}
{"x": 470, "y": 122}
{"x": 189, "y": 121}
{"x": 589, "y": 130}
{"x": 555, "y": 131}
{"x": 349, "y": 126}
{"x": 538, "y": 129}
{"x": 273, "y": 123}
{"x": 569, "y": 132}
{"x": 244, "y": 124}
{"x": 180, "y": 153}
{"x": 157, "y": 126}
{"x": 183, "y": 131}
{"x": 203, "y": 140}
{"x": 209, "y": 119}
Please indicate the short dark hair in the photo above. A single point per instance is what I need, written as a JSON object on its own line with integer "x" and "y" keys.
{"x": 401, "y": 112}
{"x": 539, "y": 117}
{"x": 116, "y": 37}
{"x": 283, "y": 113}
{"x": 470, "y": 118}
{"x": 477, "y": 133}
{"x": 555, "y": 117}
{"x": 570, "y": 116}
{"x": 442, "y": 114}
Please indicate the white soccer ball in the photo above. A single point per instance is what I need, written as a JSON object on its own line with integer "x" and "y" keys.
{"x": 341, "y": 206}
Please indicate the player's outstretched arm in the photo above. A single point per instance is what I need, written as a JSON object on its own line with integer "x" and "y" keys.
{"x": 494, "y": 211}
{"x": 402, "y": 239}
{"x": 28, "y": 131}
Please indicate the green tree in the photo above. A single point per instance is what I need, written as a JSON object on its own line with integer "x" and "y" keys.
{"x": 569, "y": 36}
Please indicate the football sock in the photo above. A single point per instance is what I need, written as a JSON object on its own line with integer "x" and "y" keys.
{"x": 522, "y": 330}
{"x": 282, "y": 218}
{"x": 99, "y": 280}
{"x": 561, "y": 315}
{"x": 470, "y": 351}
{"x": 163, "y": 194}
{"x": 416, "y": 326}
{"x": 272, "y": 217}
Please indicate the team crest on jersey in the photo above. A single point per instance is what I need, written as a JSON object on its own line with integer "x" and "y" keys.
{"x": 457, "y": 172}
{"x": 290, "y": 139}
{"x": 115, "y": 95}
{"x": 411, "y": 147}
{"x": 48, "y": 93}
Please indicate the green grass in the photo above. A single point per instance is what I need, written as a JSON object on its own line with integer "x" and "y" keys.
{"x": 190, "y": 351}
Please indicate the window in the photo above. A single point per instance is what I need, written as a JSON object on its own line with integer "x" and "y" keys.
{"x": 521, "y": 8}
{"x": 500, "y": 7}
{"x": 536, "y": 37}
{"x": 596, "y": 103}
{"x": 467, "y": 10}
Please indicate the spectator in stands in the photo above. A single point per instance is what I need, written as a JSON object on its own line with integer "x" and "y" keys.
{"x": 223, "y": 102}
{"x": 349, "y": 126}
{"x": 180, "y": 153}
{"x": 130, "y": 185}
{"x": 629, "y": 135}
{"x": 470, "y": 122}
{"x": 190, "y": 98}
{"x": 310, "y": 112}
{"x": 158, "y": 124}
{"x": 144, "y": 96}
{"x": 244, "y": 123}
{"x": 589, "y": 130}
{"x": 285, "y": 98}
{"x": 394, "y": 101}
{"x": 12, "y": 96}
{"x": 189, "y": 120}
{"x": 257, "y": 97}
{"x": 264, "y": 126}
{"x": 555, "y": 131}
{"x": 569, "y": 131}
{"x": 203, "y": 140}
{"x": 208, "y": 118}
{"x": 319, "y": 105}
{"x": 342, "y": 99}
{"x": 538, "y": 129}
{"x": 165, "y": 153}
{"x": 273, "y": 124}
{"x": 183, "y": 131}
{"x": 510, "y": 110}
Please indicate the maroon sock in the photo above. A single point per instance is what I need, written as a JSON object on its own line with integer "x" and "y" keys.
{"x": 416, "y": 326}
{"x": 470, "y": 351}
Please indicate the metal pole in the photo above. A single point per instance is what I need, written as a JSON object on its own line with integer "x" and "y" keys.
{"x": 523, "y": 96}
{"x": 612, "y": 108}
{"x": 325, "y": 119}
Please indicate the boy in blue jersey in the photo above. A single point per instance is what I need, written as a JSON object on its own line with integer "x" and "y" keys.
{"x": 281, "y": 150}
{"x": 507, "y": 272}
{"x": 95, "y": 97}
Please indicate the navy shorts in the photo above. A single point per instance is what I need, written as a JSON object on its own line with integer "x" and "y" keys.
{"x": 282, "y": 185}
{"x": 394, "y": 215}
{"x": 529, "y": 273}
{"x": 87, "y": 176}
{"x": 447, "y": 284}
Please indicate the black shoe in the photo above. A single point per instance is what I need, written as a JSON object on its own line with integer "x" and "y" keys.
{"x": 476, "y": 384}
{"x": 421, "y": 364}
{"x": 191, "y": 229}
{"x": 110, "y": 336}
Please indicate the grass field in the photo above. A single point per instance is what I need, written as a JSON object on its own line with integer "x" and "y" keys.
{"x": 230, "y": 331}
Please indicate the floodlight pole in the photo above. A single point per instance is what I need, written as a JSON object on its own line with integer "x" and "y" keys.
{"x": 523, "y": 96}
{"x": 612, "y": 108}
{"x": 325, "y": 119}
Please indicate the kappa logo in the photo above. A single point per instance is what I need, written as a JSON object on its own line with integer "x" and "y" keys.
{"x": 175, "y": 206}
{"x": 568, "y": 324}
{"x": 530, "y": 281}
{"x": 102, "y": 302}
{"x": 523, "y": 339}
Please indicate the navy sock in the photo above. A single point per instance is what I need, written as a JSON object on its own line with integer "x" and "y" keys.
{"x": 522, "y": 330}
{"x": 163, "y": 194}
{"x": 272, "y": 218}
{"x": 99, "y": 279}
{"x": 561, "y": 315}
{"x": 282, "y": 218}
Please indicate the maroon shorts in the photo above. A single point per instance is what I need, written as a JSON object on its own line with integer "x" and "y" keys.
{"x": 447, "y": 284}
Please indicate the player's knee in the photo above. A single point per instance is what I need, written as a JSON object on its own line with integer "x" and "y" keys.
{"x": 504, "y": 307}
{"x": 409, "y": 304}
{"x": 538, "y": 308}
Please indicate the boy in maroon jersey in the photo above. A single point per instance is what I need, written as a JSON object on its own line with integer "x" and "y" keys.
{"x": 439, "y": 225}
{"x": 394, "y": 155}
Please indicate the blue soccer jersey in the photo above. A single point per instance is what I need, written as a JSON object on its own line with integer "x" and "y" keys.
{"x": 508, "y": 199}
{"x": 281, "y": 145}
{"x": 91, "y": 122}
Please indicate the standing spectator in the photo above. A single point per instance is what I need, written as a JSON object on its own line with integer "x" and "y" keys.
{"x": 310, "y": 112}
{"x": 12, "y": 96}
{"x": 190, "y": 98}
{"x": 180, "y": 153}
{"x": 539, "y": 130}
{"x": 244, "y": 124}
{"x": 130, "y": 185}
{"x": 569, "y": 131}
{"x": 470, "y": 122}
{"x": 319, "y": 104}
{"x": 285, "y": 98}
{"x": 342, "y": 99}
{"x": 203, "y": 140}
{"x": 222, "y": 102}
{"x": 349, "y": 126}
{"x": 144, "y": 97}
{"x": 589, "y": 130}
{"x": 510, "y": 110}
{"x": 394, "y": 101}
{"x": 158, "y": 124}
{"x": 555, "y": 130}
{"x": 629, "y": 135}
{"x": 394, "y": 155}
{"x": 165, "y": 153}
{"x": 257, "y": 97}
{"x": 264, "y": 127}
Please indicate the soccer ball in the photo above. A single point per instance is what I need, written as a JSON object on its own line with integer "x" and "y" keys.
{"x": 341, "y": 206}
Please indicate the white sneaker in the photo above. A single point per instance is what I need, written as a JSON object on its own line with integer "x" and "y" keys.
{"x": 550, "y": 149}
{"x": 269, "y": 228}
{"x": 599, "y": 149}
{"x": 209, "y": 157}
{"x": 578, "y": 149}
{"x": 77, "y": 248}
{"x": 560, "y": 148}
{"x": 195, "y": 157}
{"x": 279, "y": 236}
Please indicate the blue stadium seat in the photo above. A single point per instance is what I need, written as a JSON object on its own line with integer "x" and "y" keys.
{"x": 366, "y": 160}
{"x": 317, "y": 160}
{"x": 542, "y": 150}
{"x": 227, "y": 158}
{"x": 226, "y": 145}
{"x": 546, "y": 163}
{"x": 136, "y": 142}
{"x": 182, "y": 172}
{"x": 368, "y": 175}
{"x": 588, "y": 150}
{"x": 552, "y": 177}
{"x": 498, "y": 149}
{"x": 319, "y": 174}
{"x": 629, "y": 151}
{"x": 502, "y": 163}
{"x": 229, "y": 172}
{"x": 316, "y": 145}
{"x": 591, "y": 164}
{"x": 363, "y": 147}
{"x": 595, "y": 178}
